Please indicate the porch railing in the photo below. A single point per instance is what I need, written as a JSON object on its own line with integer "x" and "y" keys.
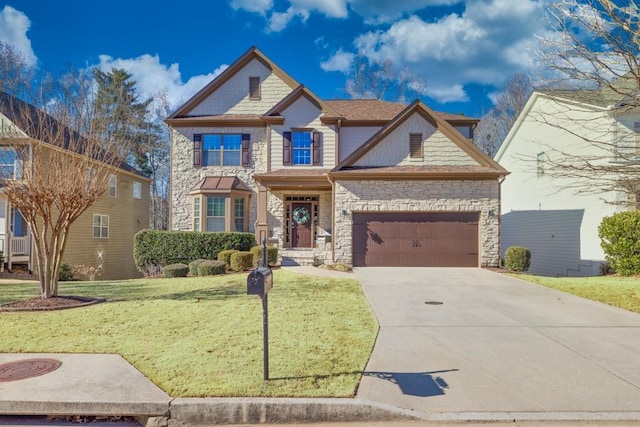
{"x": 19, "y": 246}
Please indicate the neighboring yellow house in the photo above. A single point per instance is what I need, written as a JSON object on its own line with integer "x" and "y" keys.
{"x": 102, "y": 237}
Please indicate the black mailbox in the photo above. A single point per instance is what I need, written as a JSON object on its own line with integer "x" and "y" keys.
{"x": 259, "y": 281}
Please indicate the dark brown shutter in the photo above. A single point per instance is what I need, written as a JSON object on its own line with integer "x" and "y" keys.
{"x": 254, "y": 87}
{"x": 197, "y": 150}
{"x": 246, "y": 142}
{"x": 415, "y": 146}
{"x": 316, "y": 148}
{"x": 286, "y": 148}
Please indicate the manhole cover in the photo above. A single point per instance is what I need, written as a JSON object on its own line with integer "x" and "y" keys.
{"x": 29, "y": 368}
{"x": 433, "y": 302}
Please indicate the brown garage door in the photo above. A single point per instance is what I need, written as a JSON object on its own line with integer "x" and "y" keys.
{"x": 415, "y": 239}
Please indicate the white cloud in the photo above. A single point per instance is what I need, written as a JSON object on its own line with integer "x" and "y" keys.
{"x": 279, "y": 21}
{"x": 256, "y": 6}
{"x": 153, "y": 77}
{"x": 385, "y": 11}
{"x": 485, "y": 44}
{"x": 340, "y": 61}
{"x": 14, "y": 25}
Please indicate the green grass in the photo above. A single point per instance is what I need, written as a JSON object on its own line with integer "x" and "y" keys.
{"x": 197, "y": 337}
{"x": 623, "y": 292}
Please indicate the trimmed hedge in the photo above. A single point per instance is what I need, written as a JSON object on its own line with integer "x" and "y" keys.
{"x": 272, "y": 255}
{"x": 159, "y": 247}
{"x": 241, "y": 261}
{"x": 175, "y": 270}
{"x": 225, "y": 256}
{"x": 620, "y": 240}
{"x": 210, "y": 268}
{"x": 193, "y": 266}
{"x": 517, "y": 259}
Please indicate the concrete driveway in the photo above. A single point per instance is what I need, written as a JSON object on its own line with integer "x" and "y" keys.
{"x": 482, "y": 345}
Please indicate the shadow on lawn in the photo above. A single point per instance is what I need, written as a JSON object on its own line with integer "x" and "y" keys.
{"x": 125, "y": 292}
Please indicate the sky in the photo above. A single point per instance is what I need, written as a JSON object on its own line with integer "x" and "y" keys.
{"x": 465, "y": 49}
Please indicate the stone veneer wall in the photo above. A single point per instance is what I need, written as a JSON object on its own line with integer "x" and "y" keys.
{"x": 275, "y": 212}
{"x": 184, "y": 176}
{"x": 414, "y": 196}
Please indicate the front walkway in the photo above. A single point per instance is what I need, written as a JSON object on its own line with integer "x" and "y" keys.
{"x": 473, "y": 344}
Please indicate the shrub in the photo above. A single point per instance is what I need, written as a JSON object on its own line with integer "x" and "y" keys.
{"x": 517, "y": 259}
{"x": 159, "y": 247}
{"x": 175, "y": 270}
{"x": 620, "y": 239}
{"x": 241, "y": 261}
{"x": 605, "y": 269}
{"x": 210, "y": 267}
{"x": 272, "y": 255}
{"x": 193, "y": 266}
{"x": 225, "y": 256}
{"x": 65, "y": 273}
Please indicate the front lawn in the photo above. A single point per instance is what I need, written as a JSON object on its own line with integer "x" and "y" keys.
{"x": 197, "y": 337}
{"x": 623, "y": 292}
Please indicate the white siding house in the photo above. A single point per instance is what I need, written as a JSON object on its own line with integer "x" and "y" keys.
{"x": 551, "y": 214}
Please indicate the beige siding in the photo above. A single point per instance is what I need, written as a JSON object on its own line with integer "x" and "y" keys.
{"x": 438, "y": 149}
{"x": 127, "y": 216}
{"x": 303, "y": 114}
{"x": 353, "y": 137}
{"x": 233, "y": 96}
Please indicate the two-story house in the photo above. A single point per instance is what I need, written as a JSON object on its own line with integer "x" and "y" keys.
{"x": 361, "y": 182}
{"x": 102, "y": 237}
{"x": 559, "y": 151}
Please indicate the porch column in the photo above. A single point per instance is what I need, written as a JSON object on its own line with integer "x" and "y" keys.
{"x": 262, "y": 228}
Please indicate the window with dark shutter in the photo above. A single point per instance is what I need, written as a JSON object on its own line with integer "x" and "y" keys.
{"x": 246, "y": 143}
{"x": 286, "y": 148}
{"x": 415, "y": 146}
{"x": 316, "y": 148}
{"x": 254, "y": 87}
{"x": 197, "y": 150}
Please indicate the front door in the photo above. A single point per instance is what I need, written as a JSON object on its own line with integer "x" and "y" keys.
{"x": 301, "y": 232}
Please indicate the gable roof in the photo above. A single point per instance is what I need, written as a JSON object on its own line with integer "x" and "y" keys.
{"x": 297, "y": 93}
{"x": 32, "y": 121}
{"x": 418, "y": 107}
{"x": 230, "y": 71}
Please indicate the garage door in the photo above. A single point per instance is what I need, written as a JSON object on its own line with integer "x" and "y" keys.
{"x": 415, "y": 239}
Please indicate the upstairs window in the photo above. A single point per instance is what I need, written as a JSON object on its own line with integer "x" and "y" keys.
{"x": 113, "y": 185}
{"x": 254, "y": 88}
{"x": 301, "y": 148}
{"x": 224, "y": 149}
{"x": 137, "y": 190}
{"x": 11, "y": 163}
{"x": 416, "y": 150}
{"x": 540, "y": 158}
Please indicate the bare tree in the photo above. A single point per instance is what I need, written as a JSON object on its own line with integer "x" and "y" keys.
{"x": 382, "y": 80}
{"x": 58, "y": 172}
{"x": 16, "y": 74}
{"x": 495, "y": 125}
{"x": 593, "y": 56}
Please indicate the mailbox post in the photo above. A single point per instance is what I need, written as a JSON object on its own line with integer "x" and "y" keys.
{"x": 259, "y": 282}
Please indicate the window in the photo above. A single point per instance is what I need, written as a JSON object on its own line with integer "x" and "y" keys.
{"x": 196, "y": 214}
{"x": 222, "y": 149}
{"x": 10, "y": 163}
{"x": 215, "y": 214}
{"x": 301, "y": 148}
{"x": 416, "y": 150}
{"x": 100, "y": 226}
{"x": 540, "y": 164}
{"x": 113, "y": 184}
{"x": 238, "y": 213}
{"x": 254, "y": 87}
{"x": 137, "y": 190}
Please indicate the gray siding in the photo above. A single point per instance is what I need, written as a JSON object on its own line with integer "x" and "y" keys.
{"x": 553, "y": 237}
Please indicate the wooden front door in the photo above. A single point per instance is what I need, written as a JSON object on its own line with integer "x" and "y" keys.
{"x": 301, "y": 229}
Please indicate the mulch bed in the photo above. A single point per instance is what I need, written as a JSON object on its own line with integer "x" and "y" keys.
{"x": 49, "y": 304}
{"x": 19, "y": 272}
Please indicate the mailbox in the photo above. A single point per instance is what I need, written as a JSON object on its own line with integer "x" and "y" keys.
{"x": 259, "y": 281}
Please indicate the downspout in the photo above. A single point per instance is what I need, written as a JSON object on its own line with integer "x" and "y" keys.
{"x": 333, "y": 218}
{"x": 500, "y": 181}
{"x": 170, "y": 201}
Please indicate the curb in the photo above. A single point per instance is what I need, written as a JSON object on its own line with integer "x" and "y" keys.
{"x": 194, "y": 411}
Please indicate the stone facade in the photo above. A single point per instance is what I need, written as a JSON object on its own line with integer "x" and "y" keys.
{"x": 184, "y": 176}
{"x": 418, "y": 196}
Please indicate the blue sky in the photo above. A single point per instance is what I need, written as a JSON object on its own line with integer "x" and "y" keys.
{"x": 466, "y": 50}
